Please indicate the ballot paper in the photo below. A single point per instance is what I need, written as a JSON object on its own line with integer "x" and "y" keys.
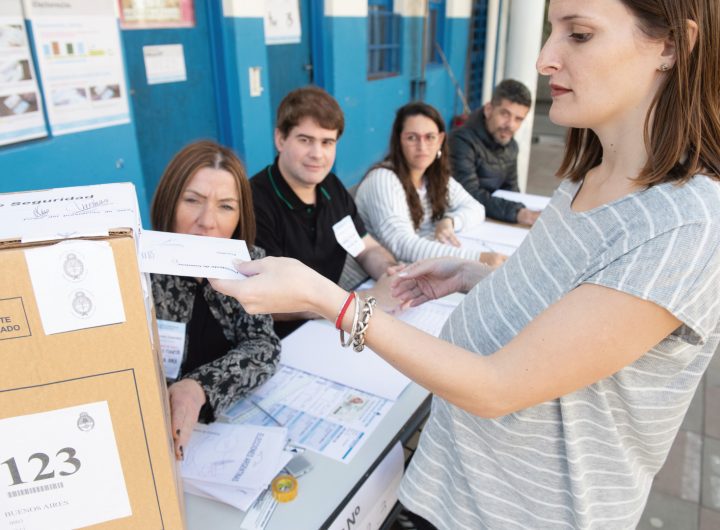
{"x": 237, "y": 497}
{"x": 233, "y": 464}
{"x": 193, "y": 256}
{"x": 76, "y": 285}
{"x": 314, "y": 347}
{"x": 241, "y": 456}
{"x": 328, "y": 418}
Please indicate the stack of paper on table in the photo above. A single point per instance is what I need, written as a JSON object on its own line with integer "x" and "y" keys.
{"x": 233, "y": 463}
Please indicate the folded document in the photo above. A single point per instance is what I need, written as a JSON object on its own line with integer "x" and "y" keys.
{"x": 233, "y": 463}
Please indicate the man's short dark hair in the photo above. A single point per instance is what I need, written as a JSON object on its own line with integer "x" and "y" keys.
{"x": 513, "y": 91}
{"x": 309, "y": 102}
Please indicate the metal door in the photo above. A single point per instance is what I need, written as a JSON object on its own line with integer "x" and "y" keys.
{"x": 168, "y": 116}
{"x": 291, "y": 66}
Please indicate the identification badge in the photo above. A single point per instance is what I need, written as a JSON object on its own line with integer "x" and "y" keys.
{"x": 61, "y": 469}
{"x": 172, "y": 346}
{"x": 348, "y": 237}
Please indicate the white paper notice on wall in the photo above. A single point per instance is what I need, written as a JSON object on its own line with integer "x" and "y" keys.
{"x": 61, "y": 469}
{"x": 76, "y": 285}
{"x": 80, "y": 62}
{"x": 164, "y": 64}
{"x": 282, "y": 22}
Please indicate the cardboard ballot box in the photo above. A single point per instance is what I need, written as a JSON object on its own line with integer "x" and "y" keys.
{"x": 84, "y": 423}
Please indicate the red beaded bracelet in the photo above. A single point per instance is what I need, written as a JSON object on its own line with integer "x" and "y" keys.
{"x": 341, "y": 314}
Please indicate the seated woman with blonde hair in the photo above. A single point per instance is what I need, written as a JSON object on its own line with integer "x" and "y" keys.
{"x": 205, "y": 191}
{"x": 409, "y": 202}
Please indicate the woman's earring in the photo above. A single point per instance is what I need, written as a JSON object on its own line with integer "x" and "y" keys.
{"x": 439, "y": 154}
{"x": 664, "y": 67}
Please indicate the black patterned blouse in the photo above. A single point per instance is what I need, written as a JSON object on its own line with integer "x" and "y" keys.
{"x": 254, "y": 347}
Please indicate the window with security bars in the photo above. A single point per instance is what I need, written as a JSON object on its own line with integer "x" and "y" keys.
{"x": 383, "y": 39}
{"x": 476, "y": 53}
{"x": 435, "y": 30}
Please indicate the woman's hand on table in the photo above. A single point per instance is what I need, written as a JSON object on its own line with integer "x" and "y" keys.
{"x": 445, "y": 232}
{"x": 186, "y": 399}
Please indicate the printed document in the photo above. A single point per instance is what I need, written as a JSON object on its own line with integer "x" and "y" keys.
{"x": 322, "y": 416}
{"x": 315, "y": 348}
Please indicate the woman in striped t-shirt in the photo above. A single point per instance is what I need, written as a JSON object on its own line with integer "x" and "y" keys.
{"x": 565, "y": 374}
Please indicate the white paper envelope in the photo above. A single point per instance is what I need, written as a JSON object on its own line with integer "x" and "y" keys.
{"x": 193, "y": 256}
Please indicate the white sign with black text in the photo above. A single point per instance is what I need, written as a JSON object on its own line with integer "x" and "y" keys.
{"x": 61, "y": 469}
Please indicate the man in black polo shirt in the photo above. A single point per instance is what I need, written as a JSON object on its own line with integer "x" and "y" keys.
{"x": 302, "y": 210}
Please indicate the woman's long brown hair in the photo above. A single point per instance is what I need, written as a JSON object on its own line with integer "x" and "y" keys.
{"x": 438, "y": 174}
{"x": 188, "y": 161}
{"x": 682, "y": 128}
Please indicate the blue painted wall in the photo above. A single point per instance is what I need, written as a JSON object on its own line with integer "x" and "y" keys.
{"x": 440, "y": 90}
{"x": 370, "y": 105}
{"x": 250, "y": 121}
{"x": 168, "y": 116}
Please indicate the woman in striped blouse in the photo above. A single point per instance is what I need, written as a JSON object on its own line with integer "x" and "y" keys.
{"x": 563, "y": 377}
{"x": 409, "y": 202}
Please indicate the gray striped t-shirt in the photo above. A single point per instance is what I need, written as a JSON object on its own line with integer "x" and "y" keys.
{"x": 587, "y": 459}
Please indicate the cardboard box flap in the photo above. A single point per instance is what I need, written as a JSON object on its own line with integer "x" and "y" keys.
{"x": 62, "y": 213}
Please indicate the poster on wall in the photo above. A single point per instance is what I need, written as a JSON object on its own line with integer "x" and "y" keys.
{"x": 142, "y": 14}
{"x": 80, "y": 61}
{"x": 282, "y": 22}
{"x": 21, "y": 116}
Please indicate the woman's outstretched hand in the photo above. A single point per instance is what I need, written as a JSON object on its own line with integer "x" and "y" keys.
{"x": 276, "y": 285}
{"x": 437, "y": 277}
